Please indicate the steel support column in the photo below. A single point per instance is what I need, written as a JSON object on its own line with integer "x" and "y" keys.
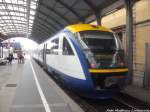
{"x": 129, "y": 35}
{"x": 96, "y": 11}
{"x": 28, "y": 17}
{"x": 98, "y": 17}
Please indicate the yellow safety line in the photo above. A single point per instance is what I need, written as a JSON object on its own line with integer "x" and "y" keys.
{"x": 107, "y": 70}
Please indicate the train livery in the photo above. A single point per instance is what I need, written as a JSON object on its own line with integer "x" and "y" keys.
{"x": 88, "y": 59}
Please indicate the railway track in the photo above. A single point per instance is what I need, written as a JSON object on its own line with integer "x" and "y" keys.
{"x": 132, "y": 102}
{"x": 113, "y": 105}
{"x": 120, "y": 103}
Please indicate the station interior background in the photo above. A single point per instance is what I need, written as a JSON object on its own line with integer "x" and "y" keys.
{"x": 116, "y": 20}
{"x": 39, "y": 20}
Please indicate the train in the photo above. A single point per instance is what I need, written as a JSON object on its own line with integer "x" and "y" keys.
{"x": 89, "y": 59}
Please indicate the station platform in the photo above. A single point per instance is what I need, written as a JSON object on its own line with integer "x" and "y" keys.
{"x": 139, "y": 93}
{"x": 27, "y": 88}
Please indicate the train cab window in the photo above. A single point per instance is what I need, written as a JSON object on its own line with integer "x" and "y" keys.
{"x": 67, "y": 50}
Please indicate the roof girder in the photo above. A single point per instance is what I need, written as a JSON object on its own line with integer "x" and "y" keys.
{"x": 42, "y": 27}
{"x": 53, "y": 19}
{"x": 54, "y": 11}
{"x": 43, "y": 31}
{"x": 48, "y": 22}
{"x": 80, "y": 18}
{"x": 45, "y": 27}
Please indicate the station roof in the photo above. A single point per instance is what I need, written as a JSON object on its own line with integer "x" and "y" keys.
{"x": 40, "y": 19}
{"x": 16, "y": 17}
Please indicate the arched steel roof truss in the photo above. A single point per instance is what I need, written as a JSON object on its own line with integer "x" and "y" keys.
{"x": 39, "y": 19}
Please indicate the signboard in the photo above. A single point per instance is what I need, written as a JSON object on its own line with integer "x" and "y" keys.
{"x": 14, "y": 45}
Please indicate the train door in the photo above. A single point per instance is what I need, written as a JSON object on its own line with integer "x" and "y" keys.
{"x": 1, "y": 52}
{"x": 44, "y": 54}
{"x": 69, "y": 62}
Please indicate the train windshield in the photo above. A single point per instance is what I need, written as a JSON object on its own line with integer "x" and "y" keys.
{"x": 101, "y": 48}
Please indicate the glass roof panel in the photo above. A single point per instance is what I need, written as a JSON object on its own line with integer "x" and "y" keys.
{"x": 32, "y": 12}
{"x": 3, "y": 13}
{"x": 9, "y": 1}
{"x": 20, "y": 2}
{"x": 21, "y": 9}
{"x": 14, "y": 15}
{"x": 5, "y": 17}
{"x": 2, "y": 6}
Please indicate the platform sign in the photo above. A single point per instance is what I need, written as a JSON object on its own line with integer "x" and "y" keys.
{"x": 147, "y": 66}
{"x": 5, "y": 45}
{"x": 16, "y": 45}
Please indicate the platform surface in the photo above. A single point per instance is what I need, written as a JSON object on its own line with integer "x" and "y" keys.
{"x": 9, "y": 79}
{"x": 35, "y": 91}
{"x": 138, "y": 93}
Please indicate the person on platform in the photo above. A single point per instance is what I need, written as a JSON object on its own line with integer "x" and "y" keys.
{"x": 10, "y": 58}
{"x": 20, "y": 57}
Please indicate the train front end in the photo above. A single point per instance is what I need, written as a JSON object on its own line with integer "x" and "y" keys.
{"x": 105, "y": 57}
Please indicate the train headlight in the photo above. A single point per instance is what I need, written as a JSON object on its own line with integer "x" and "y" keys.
{"x": 121, "y": 64}
{"x": 94, "y": 65}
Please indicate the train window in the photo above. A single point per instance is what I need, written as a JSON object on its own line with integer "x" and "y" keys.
{"x": 102, "y": 49}
{"x": 48, "y": 48}
{"x": 98, "y": 41}
{"x": 67, "y": 50}
{"x": 55, "y": 43}
{"x": 54, "y": 48}
{"x": 48, "y": 51}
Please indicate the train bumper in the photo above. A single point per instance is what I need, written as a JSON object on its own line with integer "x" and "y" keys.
{"x": 101, "y": 94}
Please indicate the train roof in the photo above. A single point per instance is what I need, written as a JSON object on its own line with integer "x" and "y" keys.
{"x": 86, "y": 27}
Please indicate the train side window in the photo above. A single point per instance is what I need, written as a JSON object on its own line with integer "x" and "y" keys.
{"x": 55, "y": 42}
{"x": 54, "y": 48}
{"x": 67, "y": 50}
